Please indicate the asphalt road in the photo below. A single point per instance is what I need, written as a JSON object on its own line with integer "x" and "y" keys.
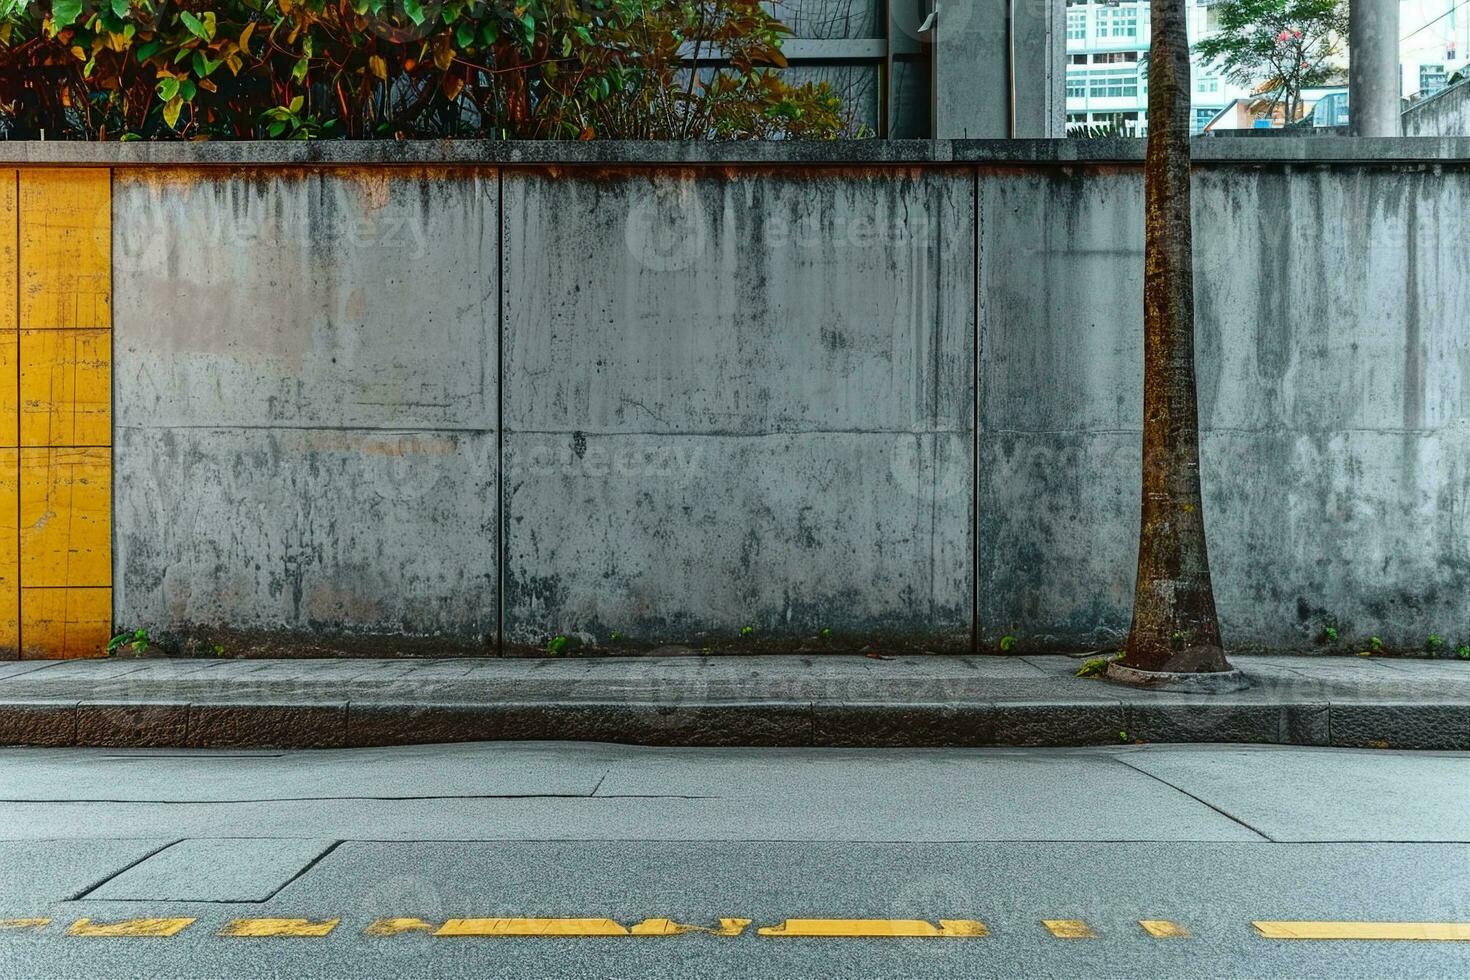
{"x": 437, "y": 861}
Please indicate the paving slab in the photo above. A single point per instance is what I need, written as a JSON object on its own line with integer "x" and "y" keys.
{"x": 213, "y": 870}
{"x": 640, "y": 793}
{"x": 233, "y": 776}
{"x": 1323, "y": 795}
{"x": 57, "y": 870}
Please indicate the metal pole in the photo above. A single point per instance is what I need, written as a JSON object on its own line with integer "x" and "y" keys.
{"x": 1011, "y": 68}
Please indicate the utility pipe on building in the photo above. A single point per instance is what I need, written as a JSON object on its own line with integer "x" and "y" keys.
{"x": 1374, "y": 76}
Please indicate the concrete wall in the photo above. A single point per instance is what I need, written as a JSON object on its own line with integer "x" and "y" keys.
{"x": 1444, "y": 114}
{"x": 423, "y": 406}
{"x": 1334, "y": 396}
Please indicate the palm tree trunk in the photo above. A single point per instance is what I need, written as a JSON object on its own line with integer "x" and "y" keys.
{"x": 1174, "y": 623}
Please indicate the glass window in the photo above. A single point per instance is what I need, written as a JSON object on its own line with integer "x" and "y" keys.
{"x": 1117, "y": 23}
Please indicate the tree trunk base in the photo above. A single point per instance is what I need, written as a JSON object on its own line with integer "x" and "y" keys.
{"x": 1199, "y": 658}
{"x": 1194, "y": 682}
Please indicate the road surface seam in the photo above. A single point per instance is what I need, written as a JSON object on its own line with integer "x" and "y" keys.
{"x": 1179, "y": 789}
{"x": 127, "y": 867}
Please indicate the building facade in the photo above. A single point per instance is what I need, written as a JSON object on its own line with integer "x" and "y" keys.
{"x": 1107, "y": 77}
{"x": 1436, "y": 40}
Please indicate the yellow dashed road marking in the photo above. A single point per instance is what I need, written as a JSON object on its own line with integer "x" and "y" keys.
{"x": 1441, "y": 931}
{"x": 129, "y": 927}
{"x": 394, "y": 927}
{"x": 531, "y": 927}
{"x": 279, "y": 927}
{"x": 830, "y": 928}
{"x": 878, "y": 928}
{"x": 1069, "y": 928}
{"x": 1164, "y": 929}
{"x": 668, "y": 927}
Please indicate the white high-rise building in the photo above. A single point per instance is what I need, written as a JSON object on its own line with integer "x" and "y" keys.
{"x": 1107, "y": 81}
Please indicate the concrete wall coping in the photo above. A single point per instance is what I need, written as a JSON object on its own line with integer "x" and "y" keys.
{"x": 1285, "y": 150}
{"x": 1436, "y": 100}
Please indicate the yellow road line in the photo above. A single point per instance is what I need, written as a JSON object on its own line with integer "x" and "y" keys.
{"x": 1069, "y": 928}
{"x": 279, "y": 927}
{"x": 22, "y": 925}
{"x": 668, "y": 927}
{"x": 531, "y": 927}
{"x": 877, "y": 928}
{"x": 1164, "y": 929}
{"x": 394, "y": 927}
{"x": 129, "y": 927}
{"x": 1440, "y": 931}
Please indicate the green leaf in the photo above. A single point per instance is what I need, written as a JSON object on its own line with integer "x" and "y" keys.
{"x": 147, "y": 50}
{"x": 464, "y": 35}
{"x": 528, "y": 24}
{"x": 65, "y": 12}
{"x": 299, "y": 71}
{"x": 295, "y": 105}
{"x": 121, "y": 8}
{"x": 414, "y": 11}
{"x": 195, "y": 25}
{"x": 168, "y": 88}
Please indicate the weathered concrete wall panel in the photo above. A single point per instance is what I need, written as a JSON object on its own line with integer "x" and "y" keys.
{"x": 307, "y": 392}
{"x": 726, "y": 398}
{"x": 1061, "y": 353}
{"x": 1333, "y": 305}
{"x": 309, "y": 539}
{"x": 358, "y": 298}
{"x": 1333, "y": 396}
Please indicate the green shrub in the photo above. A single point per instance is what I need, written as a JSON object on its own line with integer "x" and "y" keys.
{"x": 371, "y": 69}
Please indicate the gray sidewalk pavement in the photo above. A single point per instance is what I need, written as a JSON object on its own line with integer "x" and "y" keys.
{"x": 767, "y": 700}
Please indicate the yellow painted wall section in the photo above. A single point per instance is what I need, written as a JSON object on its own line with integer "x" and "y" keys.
{"x": 9, "y": 415}
{"x": 56, "y": 413}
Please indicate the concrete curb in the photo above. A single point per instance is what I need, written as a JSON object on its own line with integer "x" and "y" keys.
{"x": 1170, "y": 718}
